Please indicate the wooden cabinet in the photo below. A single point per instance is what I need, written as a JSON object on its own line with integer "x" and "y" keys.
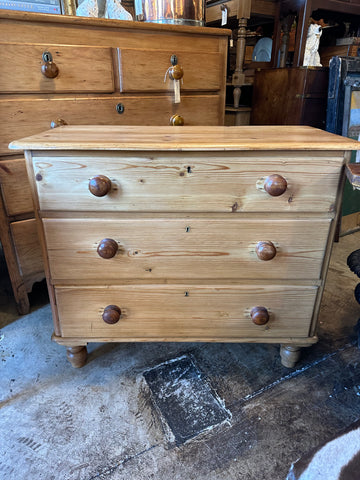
{"x": 186, "y": 234}
{"x": 290, "y": 96}
{"x": 68, "y": 70}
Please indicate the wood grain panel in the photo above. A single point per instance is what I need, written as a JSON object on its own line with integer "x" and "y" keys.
{"x": 28, "y": 251}
{"x": 81, "y": 69}
{"x": 187, "y": 314}
{"x": 26, "y": 116}
{"x": 184, "y": 248}
{"x": 185, "y": 182}
{"x": 200, "y": 138}
{"x": 202, "y": 70}
{"x": 15, "y": 186}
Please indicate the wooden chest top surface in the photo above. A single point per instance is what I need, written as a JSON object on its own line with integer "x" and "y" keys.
{"x": 194, "y": 138}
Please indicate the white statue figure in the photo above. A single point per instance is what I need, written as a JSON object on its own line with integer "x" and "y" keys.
{"x": 88, "y": 8}
{"x": 312, "y": 57}
{"x": 115, "y": 10}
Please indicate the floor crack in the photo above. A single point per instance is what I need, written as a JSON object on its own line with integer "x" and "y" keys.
{"x": 110, "y": 470}
{"x": 293, "y": 374}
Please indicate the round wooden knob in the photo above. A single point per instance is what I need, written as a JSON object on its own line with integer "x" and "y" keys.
{"x": 176, "y": 72}
{"x": 265, "y": 250}
{"x": 59, "y": 122}
{"x": 177, "y": 121}
{"x": 275, "y": 185}
{"x": 259, "y": 315}
{"x": 100, "y": 185}
{"x": 50, "y": 70}
{"x": 107, "y": 248}
{"x": 112, "y": 314}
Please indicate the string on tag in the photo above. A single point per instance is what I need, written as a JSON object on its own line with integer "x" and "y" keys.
{"x": 224, "y": 14}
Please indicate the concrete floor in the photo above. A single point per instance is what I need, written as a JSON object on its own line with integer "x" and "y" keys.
{"x": 99, "y": 422}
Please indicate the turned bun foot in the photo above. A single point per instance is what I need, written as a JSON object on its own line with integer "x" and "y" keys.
{"x": 290, "y": 355}
{"x": 76, "y": 356}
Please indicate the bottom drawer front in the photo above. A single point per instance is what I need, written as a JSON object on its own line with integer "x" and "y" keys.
{"x": 158, "y": 312}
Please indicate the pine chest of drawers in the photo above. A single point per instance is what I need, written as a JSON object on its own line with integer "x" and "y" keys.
{"x": 186, "y": 233}
{"x": 58, "y": 69}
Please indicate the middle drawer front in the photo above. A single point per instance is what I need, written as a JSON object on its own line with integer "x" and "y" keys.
{"x": 188, "y": 181}
{"x": 20, "y": 117}
{"x": 164, "y": 312}
{"x": 183, "y": 248}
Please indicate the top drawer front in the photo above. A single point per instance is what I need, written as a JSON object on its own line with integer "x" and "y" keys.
{"x": 80, "y": 69}
{"x": 147, "y": 70}
{"x": 187, "y": 182}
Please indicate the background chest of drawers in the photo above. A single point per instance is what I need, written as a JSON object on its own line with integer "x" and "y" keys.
{"x": 186, "y": 234}
{"x": 58, "y": 69}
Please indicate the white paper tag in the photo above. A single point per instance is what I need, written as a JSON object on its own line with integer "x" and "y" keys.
{"x": 224, "y": 16}
{"x": 177, "y": 91}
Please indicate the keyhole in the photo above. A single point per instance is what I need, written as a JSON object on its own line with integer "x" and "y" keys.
{"x": 186, "y": 294}
{"x": 187, "y": 229}
{"x": 120, "y": 108}
{"x": 47, "y": 57}
{"x": 189, "y": 170}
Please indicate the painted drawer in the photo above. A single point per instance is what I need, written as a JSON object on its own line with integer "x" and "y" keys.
{"x": 82, "y": 250}
{"x": 80, "y": 69}
{"x": 188, "y": 181}
{"x": 190, "y": 313}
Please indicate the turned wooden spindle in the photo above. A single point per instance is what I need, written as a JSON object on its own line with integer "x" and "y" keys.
{"x": 275, "y": 185}
{"x": 265, "y": 251}
{"x": 259, "y": 315}
{"x": 76, "y": 356}
{"x": 100, "y": 185}
{"x": 290, "y": 354}
{"x": 107, "y": 248}
{"x": 177, "y": 121}
{"x": 111, "y": 314}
